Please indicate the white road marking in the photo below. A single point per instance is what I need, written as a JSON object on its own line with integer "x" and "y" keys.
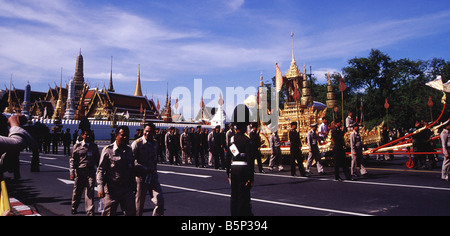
{"x": 285, "y": 176}
{"x": 66, "y": 181}
{"x": 71, "y": 182}
{"x": 332, "y": 180}
{"x": 270, "y": 202}
{"x": 185, "y": 174}
{"x": 49, "y": 165}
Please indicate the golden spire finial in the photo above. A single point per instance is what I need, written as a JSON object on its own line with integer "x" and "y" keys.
{"x": 293, "y": 71}
{"x": 138, "y": 90}
{"x": 111, "y": 86}
{"x": 293, "y": 55}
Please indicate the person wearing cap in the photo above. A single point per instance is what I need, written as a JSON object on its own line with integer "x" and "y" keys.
{"x": 314, "y": 153}
{"x": 296, "y": 154}
{"x": 241, "y": 174}
{"x": 85, "y": 157}
{"x": 356, "y": 150}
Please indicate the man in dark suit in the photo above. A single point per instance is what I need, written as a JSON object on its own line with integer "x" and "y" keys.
{"x": 337, "y": 134}
{"x": 255, "y": 143}
{"x": 296, "y": 154}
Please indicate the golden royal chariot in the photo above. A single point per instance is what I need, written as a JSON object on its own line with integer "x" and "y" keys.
{"x": 300, "y": 108}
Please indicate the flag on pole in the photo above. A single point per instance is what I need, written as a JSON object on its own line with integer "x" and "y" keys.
{"x": 279, "y": 78}
{"x": 342, "y": 86}
{"x": 436, "y": 84}
{"x": 447, "y": 87}
{"x": 202, "y": 104}
{"x": 221, "y": 102}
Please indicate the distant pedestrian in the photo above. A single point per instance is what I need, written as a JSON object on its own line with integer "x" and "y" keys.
{"x": 340, "y": 160}
{"x": 205, "y": 145}
{"x": 55, "y": 141}
{"x": 323, "y": 130}
{"x": 255, "y": 142}
{"x": 210, "y": 147}
{"x": 229, "y": 134}
{"x": 445, "y": 140}
{"x": 185, "y": 145}
{"x": 275, "y": 150}
{"x": 349, "y": 121}
{"x": 75, "y": 137}
{"x": 217, "y": 148}
{"x": 113, "y": 136}
{"x": 314, "y": 153}
{"x": 295, "y": 150}
{"x": 356, "y": 150}
{"x": 198, "y": 153}
{"x": 419, "y": 146}
{"x": 67, "y": 139}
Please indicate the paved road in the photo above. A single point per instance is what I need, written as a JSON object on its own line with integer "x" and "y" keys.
{"x": 391, "y": 189}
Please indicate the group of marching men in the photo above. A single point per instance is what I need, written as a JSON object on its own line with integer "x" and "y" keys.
{"x": 124, "y": 174}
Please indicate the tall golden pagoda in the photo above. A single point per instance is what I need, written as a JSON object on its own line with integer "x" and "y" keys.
{"x": 59, "y": 109}
{"x": 138, "y": 90}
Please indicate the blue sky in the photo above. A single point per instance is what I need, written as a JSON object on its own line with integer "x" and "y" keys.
{"x": 223, "y": 42}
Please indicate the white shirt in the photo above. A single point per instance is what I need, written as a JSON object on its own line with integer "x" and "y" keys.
{"x": 323, "y": 129}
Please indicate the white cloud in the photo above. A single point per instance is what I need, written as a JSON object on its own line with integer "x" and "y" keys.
{"x": 235, "y": 4}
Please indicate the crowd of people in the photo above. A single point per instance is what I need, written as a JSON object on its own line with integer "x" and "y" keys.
{"x": 124, "y": 173}
{"x": 199, "y": 146}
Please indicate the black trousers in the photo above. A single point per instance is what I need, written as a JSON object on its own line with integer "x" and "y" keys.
{"x": 240, "y": 193}
{"x": 198, "y": 153}
{"x": 297, "y": 156}
{"x": 340, "y": 161}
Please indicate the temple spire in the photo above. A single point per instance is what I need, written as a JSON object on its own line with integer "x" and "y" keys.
{"x": 293, "y": 55}
{"x": 58, "y": 113}
{"x": 293, "y": 70}
{"x": 78, "y": 79}
{"x": 138, "y": 90}
{"x": 111, "y": 87}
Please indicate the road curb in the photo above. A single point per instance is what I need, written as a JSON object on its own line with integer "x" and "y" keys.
{"x": 19, "y": 209}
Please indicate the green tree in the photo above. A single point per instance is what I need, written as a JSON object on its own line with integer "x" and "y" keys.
{"x": 402, "y": 82}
